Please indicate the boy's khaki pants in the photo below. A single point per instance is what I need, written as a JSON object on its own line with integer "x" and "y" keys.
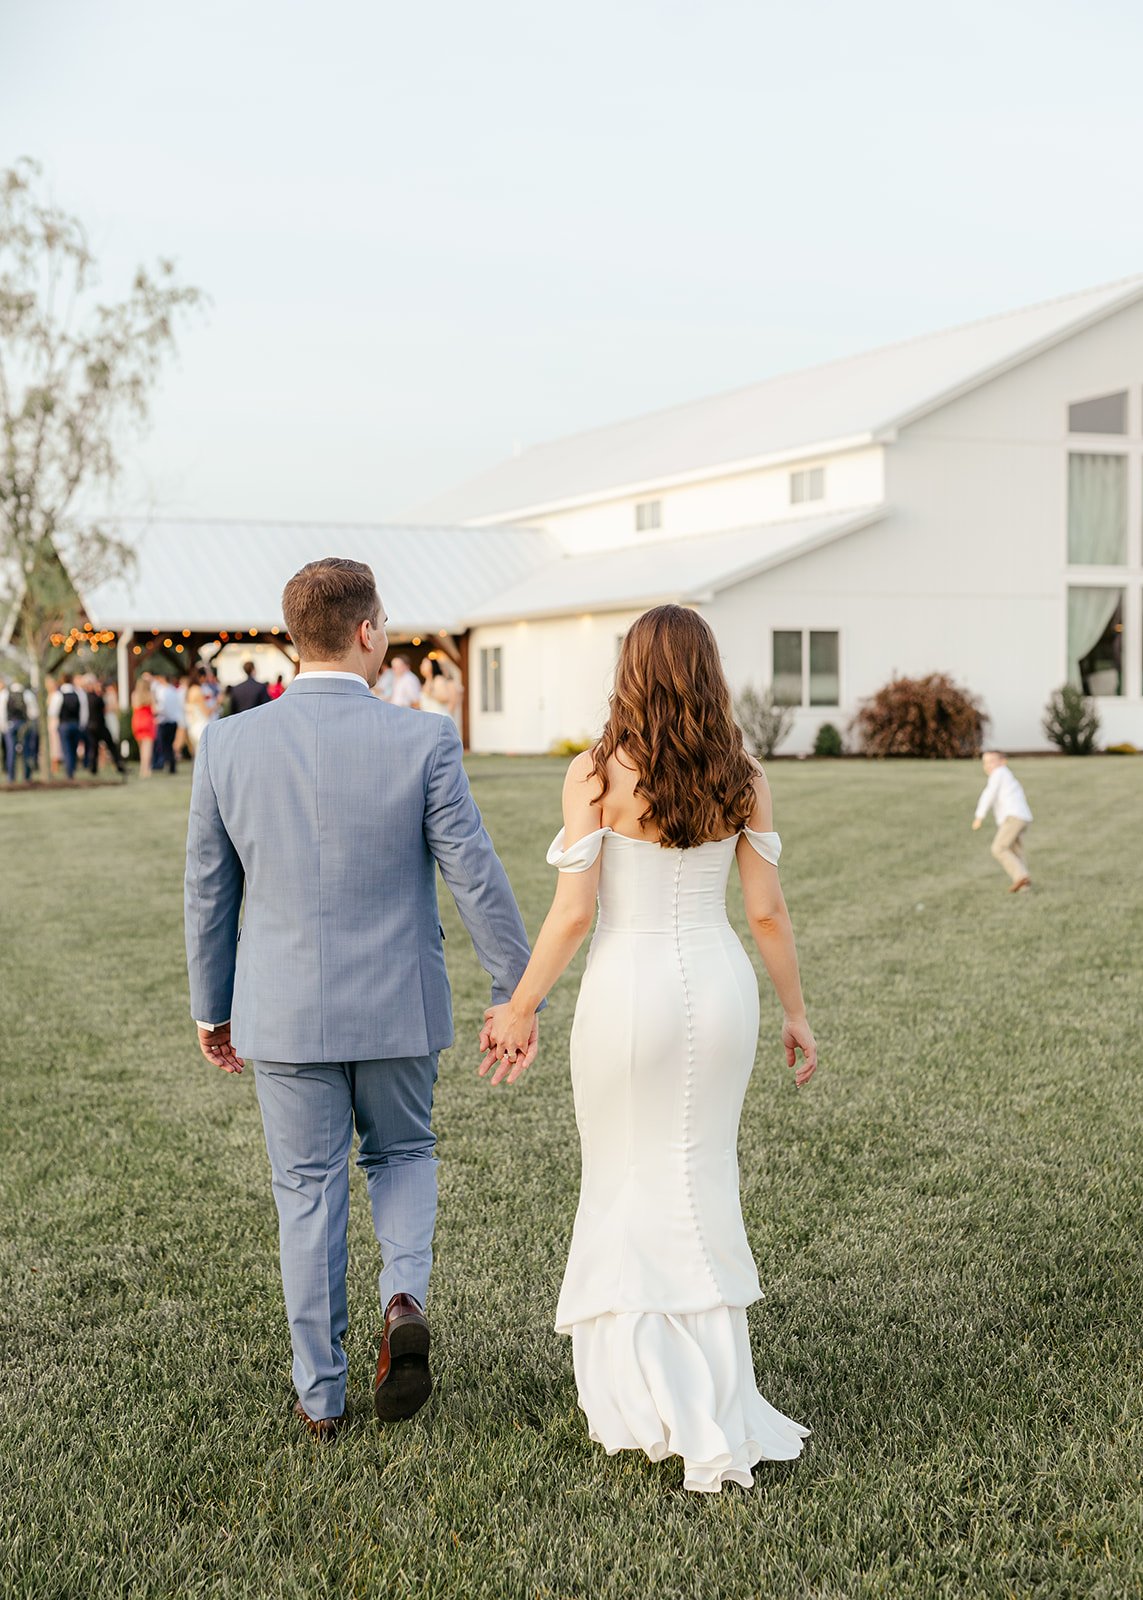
{"x": 1008, "y": 847}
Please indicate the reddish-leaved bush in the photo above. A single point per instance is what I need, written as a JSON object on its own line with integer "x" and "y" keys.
{"x": 930, "y": 717}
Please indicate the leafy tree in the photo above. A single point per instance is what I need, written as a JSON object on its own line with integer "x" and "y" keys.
{"x": 764, "y": 725}
{"x": 1071, "y": 721}
{"x": 76, "y": 376}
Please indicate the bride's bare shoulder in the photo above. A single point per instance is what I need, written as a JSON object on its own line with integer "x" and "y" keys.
{"x": 581, "y": 772}
{"x": 762, "y": 816}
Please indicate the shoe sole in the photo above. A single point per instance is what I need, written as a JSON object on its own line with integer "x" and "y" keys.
{"x": 410, "y": 1382}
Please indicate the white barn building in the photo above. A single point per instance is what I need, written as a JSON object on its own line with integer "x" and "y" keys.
{"x": 969, "y": 502}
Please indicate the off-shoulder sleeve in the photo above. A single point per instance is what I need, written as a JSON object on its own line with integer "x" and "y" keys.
{"x": 579, "y": 856}
{"x": 768, "y": 845}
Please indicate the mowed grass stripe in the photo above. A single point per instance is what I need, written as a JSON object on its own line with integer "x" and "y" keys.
{"x": 945, "y": 1223}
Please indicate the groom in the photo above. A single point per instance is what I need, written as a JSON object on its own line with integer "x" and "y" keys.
{"x": 331, "y": 811}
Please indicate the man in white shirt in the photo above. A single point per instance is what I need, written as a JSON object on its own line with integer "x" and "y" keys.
{"x": 1004, "y": 793}
{"x": 68, "y": 709}
{"x": 406, "y": 685}
{"x": 19, "y": 722}
{"x": 170, "y": 719}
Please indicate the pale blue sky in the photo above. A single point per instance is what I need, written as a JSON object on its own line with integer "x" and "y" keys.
{"x": 432, "y": 230}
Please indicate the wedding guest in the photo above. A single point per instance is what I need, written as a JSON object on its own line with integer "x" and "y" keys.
{"x": 406, "y": 687}
{"x": 195, "y": 709}
{"x": 18, "y": 713}
{"x": 111, "y": 709}
{"x": 249, "y": 693}
{"x": 1005, "y": 794}
{"x": 170, "y": 720}
{"x": 55, "y": 750}
{"x": 69, "y": 708}
{"x": 98, "y": 733}
{"x": 278, "y": 688}
{"x": 438, "y": 691}
{"x": 211, "y": 691}
{"x": 143, "y": 723}
{"x": 182, "y": 684}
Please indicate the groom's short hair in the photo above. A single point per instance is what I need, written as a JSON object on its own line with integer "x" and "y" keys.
{"x": 324, "y": 604}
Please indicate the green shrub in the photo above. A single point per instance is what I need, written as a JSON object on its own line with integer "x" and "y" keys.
{"x": 571, "y": 747}
{"x": 1071, "y": 721}
{"x": 931, "y": 717}
{"x": 1124, "y": 749}
{"x": 764, "y": 725}
{"x": 828, "y": 741}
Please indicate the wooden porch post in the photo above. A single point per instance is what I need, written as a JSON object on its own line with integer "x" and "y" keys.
{"x": 466, "y": 686}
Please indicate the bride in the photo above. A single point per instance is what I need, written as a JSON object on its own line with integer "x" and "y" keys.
{"x": 666, "y": 1025}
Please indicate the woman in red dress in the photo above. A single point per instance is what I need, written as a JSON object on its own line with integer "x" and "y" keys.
{"x": 143, "y": 723}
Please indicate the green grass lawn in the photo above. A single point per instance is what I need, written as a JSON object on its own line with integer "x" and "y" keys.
{"x": 946, "y": 1224}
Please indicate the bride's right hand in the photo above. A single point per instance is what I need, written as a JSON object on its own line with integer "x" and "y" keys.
{"x": 797, "y": 1035}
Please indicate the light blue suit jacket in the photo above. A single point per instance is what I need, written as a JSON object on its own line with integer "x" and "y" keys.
{"x": 332, "y": 810}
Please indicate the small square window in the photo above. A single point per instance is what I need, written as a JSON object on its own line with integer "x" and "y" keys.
{"x": 808, "y": 484}
{"x": 648, "y": 516}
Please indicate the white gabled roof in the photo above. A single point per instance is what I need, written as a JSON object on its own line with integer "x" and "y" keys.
{"x": 208, "y": 575}
{"x": 652, "y": 573}
{"x": 814, "y": 411}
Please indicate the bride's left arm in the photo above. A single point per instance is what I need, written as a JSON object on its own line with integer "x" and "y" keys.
{"x": 509, "y": 1029}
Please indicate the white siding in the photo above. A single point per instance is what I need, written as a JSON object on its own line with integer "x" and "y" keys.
{"x": 557, "y": 676}
{"x": 967, "y": 573}
{"x": 852, "y": 479}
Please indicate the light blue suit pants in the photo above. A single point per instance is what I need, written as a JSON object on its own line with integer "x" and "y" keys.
{"x": 308, "y": 1114}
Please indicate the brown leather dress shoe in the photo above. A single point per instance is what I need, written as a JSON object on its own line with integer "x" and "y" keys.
{"x": 324, "y": 1428}
{"x": 404, "y": 1381}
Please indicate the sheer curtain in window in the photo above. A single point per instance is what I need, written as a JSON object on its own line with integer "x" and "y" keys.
{"x": 1097, "y": 510}
{"x": 1089, "y": 612}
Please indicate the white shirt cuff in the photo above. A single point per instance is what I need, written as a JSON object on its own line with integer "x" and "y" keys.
{"x": 209, "y": 1027}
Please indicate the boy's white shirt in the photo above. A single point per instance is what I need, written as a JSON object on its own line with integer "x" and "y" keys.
{"x": 1005, "y": 794}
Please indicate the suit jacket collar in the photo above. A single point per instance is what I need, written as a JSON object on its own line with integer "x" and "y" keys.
{"x": 319, "y": 685}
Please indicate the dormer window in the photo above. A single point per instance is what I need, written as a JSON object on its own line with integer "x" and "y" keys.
{"x": 648, "y": 516}
{"x": 808, "y": 484}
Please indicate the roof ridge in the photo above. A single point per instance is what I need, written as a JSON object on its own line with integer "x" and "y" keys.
{"x": 813, "y": 366}
{"x": 303, "y": 522}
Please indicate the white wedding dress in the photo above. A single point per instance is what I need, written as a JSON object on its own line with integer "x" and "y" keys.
{"x": 660, "y": 1271}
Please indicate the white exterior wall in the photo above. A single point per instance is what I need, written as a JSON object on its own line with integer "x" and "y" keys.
{"x": 556, "y": 676}
{"x": 853, "y": 478}
{"x": 986, "y": 479}
{"x": 968, "y": 571}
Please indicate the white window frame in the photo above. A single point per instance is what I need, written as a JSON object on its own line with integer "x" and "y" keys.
{"x": 804, "y": 703}
{"x": 1128, "y": 577}
{"x": 648, "y": 516}
{"x": 807, "y": 485}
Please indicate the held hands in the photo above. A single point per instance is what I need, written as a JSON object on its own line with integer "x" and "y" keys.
{"x": 510, "y": 1042}
{"x": 216, "y": 1047}
{"x": 796, "y": 1035}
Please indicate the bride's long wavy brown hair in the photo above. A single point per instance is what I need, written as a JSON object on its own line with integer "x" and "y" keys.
{"x": 672, "y": 720}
